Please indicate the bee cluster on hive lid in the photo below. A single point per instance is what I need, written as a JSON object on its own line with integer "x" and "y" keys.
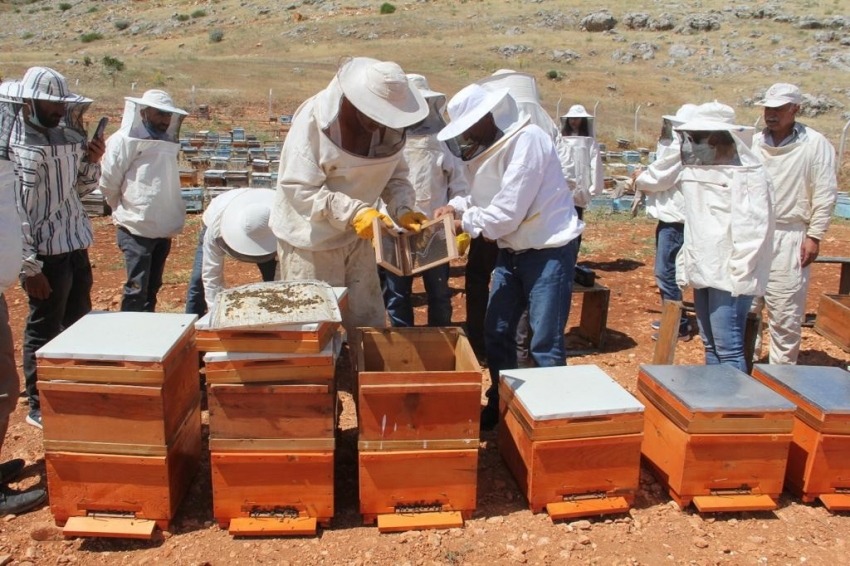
{"x": 273, "y": 303}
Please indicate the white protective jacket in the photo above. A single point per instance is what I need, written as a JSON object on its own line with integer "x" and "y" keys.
{"x": 669, "y": 205}
{"x": 140, "y": 179}
{"x": 729, "y": 220}
{"x": 435, "y": 173}
{"x": 583, "y": 168}
{"x": 10, "y": 228}
{"x": 321, "y": 187}
{"x": 804, "y": 178}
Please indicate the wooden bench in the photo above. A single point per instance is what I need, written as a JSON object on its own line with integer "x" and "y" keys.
{"x": 843, "y": 282}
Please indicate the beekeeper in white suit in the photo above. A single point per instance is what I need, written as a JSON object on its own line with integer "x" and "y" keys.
{"x": 801, "y": 163}
{"x": 140, "y": 180}
{"x": 520, "y": 199}
{"x": 343, "y": 154}
{"x": 437, "y": 176}
{"x": 729, "y": 223}
{"x": 587, "y": 176}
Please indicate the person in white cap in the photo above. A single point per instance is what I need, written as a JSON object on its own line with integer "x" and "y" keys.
{"x": 801, "y": 162}
{"x": 11, "y": 502}
{"x": 520, "y": 199}
{"x": 668, "y": 208}
{"x": 586, "y": 177}
{"x": 729, "y": 224}
{"x": 56, "y": 165}
{"x": 141, "y": 183}
{"x": 236, "y": 225}
{"x": 437, "y": 175}
{"x": 343, "y": 154}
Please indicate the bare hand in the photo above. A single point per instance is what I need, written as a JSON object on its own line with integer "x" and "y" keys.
{"x": 809, "y": 251}
{"x": 95, "y": 149}
{"x": 444, "y": 211}
{"x": 37, "y": 286}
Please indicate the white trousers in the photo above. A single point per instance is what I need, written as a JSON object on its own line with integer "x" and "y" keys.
{"x": 785, "y": 297}
{"x": 351, "y": 266}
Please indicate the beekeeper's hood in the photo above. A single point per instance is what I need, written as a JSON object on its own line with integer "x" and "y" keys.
{"x": 682, "y": 115}
{"x": 578, "y": 111}
{"x": 711, "y": 138}
{"x": 135, "y": 125}
{"x": 523, "y": 89}
{"x": 42, "y": 83}
{"x": 436, "y": 101}
{"x": 468, "y": 107}
{"x": 245, "y": 227}
{"x": 381, "y": 92}
{"x": 9, "y": 110}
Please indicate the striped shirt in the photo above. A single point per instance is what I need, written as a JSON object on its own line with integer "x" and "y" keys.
{"x": 52, "y": 176}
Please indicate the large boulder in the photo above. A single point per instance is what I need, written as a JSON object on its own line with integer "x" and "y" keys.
{"x": 598, "y": 21}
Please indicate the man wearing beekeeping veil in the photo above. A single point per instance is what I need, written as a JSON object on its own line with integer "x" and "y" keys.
{"x": 141, "y": 183}
{"x": 801, "y": 163}
{"x": 520, "y": 199}
{"x": 55, "y": 166}
{"x": 343, "y": 154}
{"x": 729, "y": 222}
{"x": 586, "y": 175}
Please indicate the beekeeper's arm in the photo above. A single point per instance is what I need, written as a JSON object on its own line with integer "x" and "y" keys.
{"x": 114, "y": 166}
{"x": 400, "y": 198}
{"x": 597, "y": 172}
{"x": 661, "y": 174}
{"x": 88, "y": 173}
{"x": 751, "y": 225}
{"x": 822, "y": 194}
{"x": 212, "y": 271}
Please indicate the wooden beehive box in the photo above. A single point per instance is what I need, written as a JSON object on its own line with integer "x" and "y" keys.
{"x": 120, "y": 400}
{"x": 819, "y": 459}
{"x": 833, "y": 319}
{"x": 418, "y": 409}
{"x": 571, "y": 436}
{"x": 715, "y": 436}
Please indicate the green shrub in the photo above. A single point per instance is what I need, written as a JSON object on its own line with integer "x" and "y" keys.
{"x": 87, "y": 62}
{"x": 65, "y": 6}
{"x": 113, "y": 64}
{"x": 216, "y": 35}
{"x": 181, "y": 17}
{"x": 121, "y": 25}
{"x": 553, "y": 75}
{"x": 387, "y": 8}
{"x": 91, "y": 36}
{"x": 199, "y": 13}
{"x": 92, "y": 10}
{"x": 27, "y": 35}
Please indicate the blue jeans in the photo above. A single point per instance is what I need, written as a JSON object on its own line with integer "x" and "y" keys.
{"x": 196, "y": 302}
{"x": 70, "y": 279}
{"x": 145, "y": 262}
{"x": 397, "y": 290}
{"x": 542, "y": 281}
{"x": 722, "y": 322}
{"x": 669, "y": 237}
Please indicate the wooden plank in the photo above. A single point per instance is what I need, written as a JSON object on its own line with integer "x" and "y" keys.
{"x": 668, "y": 333}
{"x": 416, "y": 445}
{"x": 267, "y": 341}
{"x": 734, "y": 503}
{"x": 587, "y": 507}
{"x": 833, "y": 320}
{"x": 271, "y": 444}
{"x": 594, "y": 315}
{"x": 105, "y": 447}
{"x": 835, "y": 501}
{"x": 269, "y": 526}
{"x": 394, "y": 523}
{"x": 109, "y": 527}
{"x": 408, "y": 349}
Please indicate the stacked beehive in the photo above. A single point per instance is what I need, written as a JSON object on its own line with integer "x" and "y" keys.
{"x": 122, "y": 430}
{"x": 272, "y": 401}
{"x": 418, "y": 403}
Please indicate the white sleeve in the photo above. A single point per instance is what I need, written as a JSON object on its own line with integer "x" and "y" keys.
{"x": 597, "y": 171}
{"x": 113, "y": 168}
{"x": 824, "y": 189}
{"x": 213, "y": 266}
{"x": 661, "y": 175}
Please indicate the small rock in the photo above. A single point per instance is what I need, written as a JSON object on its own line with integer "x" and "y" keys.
{"x": 583, "y": 525}
{"x": 43, "y": 533}
{"x": 583, "y": 539}
{"x": 496, "y": 520}
{"x": 757, "y": 540}
{"x": 700, "y": 542}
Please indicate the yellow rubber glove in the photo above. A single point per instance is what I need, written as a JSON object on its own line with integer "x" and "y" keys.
{"x": 363, "y": 222}
{"x": 462, "y": 241}
{"x": 412, "y": 221}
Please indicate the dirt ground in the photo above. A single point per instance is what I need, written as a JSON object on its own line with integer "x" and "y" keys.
{"x": 503, "y": 530}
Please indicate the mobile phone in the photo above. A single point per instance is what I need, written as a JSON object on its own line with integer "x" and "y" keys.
{"x": 101, "y": 128}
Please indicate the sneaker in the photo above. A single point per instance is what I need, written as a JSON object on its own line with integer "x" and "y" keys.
{"x": 684, "y": 335}
{"x": 16, "y": 502}
{"x": 489, "y": 418}
{"x": 10, "y": 470}
{"x": 34, "y": 418}
{"x": 655, "y": 324}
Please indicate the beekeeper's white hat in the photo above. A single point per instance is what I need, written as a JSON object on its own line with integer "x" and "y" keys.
{"x": 245, "y": 223}
{"x": 467, "y": 107}
{"x": 158, "y": 99}
{"x": 379, "y": 89}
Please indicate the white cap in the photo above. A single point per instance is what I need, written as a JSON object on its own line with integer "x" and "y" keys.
{"x": 379, "y": 89}
{"x": 577, "y": 111}
{"x": 158, "y": 99}
{"x": 245, "y": 223}
{"x": 467, "y": 107}
{"x": 420, "y": 83}
{"x": 781, "y": 94}
{"x": 683, "y": 114}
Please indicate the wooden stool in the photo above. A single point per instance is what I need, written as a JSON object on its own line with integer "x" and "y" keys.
{"x": 819, "y": 460}
{"x": 715, "y": 436}
{"x": 594, "y": 313}
{"x": 571, "y": 437}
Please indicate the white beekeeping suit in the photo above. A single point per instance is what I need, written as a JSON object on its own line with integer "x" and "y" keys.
{"x": 587, "y": 174}
{"x": 668, "y": 206}
{"x": 140, "y": 177}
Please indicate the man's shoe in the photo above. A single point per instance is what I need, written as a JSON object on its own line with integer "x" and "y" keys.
{"x": 17, "y": 502}
{"x": 655, "y": 324}
{"x": 684, "y": 336}
{"x": 489, "y": 418}
{"x": 10, "y": 470}
{"x": 34, "y": 418}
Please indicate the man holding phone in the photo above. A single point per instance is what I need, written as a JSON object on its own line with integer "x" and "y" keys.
{"x": 141, "y": 183}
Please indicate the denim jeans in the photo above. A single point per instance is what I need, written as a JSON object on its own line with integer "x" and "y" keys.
{"x": 145, "y": 261}
{"x": 542, "y": 281}
{"x": 669, "y": 237}
{"x": 196, "y": 302}
{"x": 479, "y": 267}
{"x": 70, "y": 279}
{"x": 398, "y": 288}
{"x": 722, "y": 322}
